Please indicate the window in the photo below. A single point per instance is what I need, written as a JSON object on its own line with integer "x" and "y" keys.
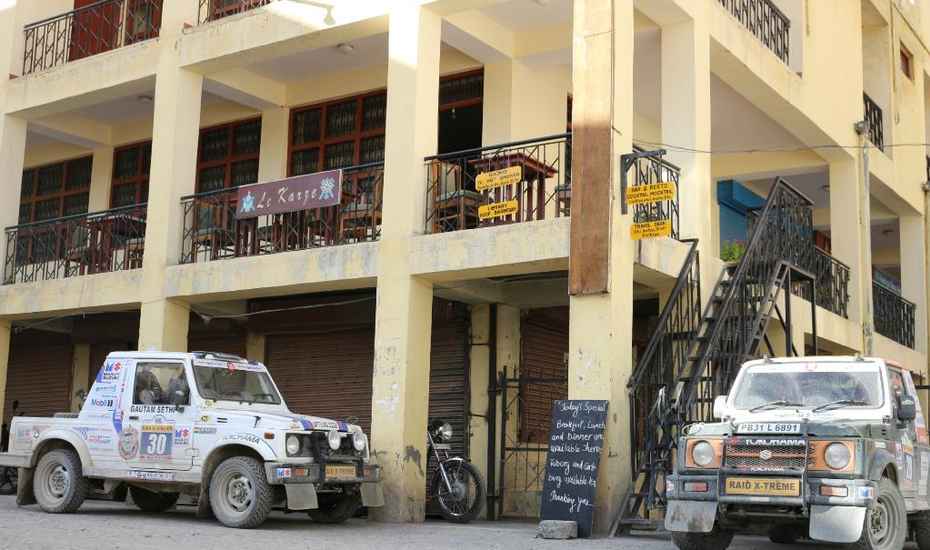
{"x": 228, "y": 155}
{"x": 130, "y": 183}
{"x": 55, "y": 190}
{"x": 907, "y": 62}
{"x": 143, "y": 20}
{"x": 161, "y": 384}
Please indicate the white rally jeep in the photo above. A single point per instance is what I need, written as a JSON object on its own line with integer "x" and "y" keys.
{"x": 209, "y": 425}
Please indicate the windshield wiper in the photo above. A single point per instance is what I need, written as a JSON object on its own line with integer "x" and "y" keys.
{"x": 779, "y": 403}
{"x": 840, "y": 402}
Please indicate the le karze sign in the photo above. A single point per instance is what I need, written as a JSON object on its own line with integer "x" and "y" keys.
{"x": 575, "y": 443}
{"x": 305, "y": 192}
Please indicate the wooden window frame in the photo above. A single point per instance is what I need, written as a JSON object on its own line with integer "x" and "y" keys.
{"x": 462, "y": 103}
{"x": 906, "y": 61}
{"x": 140, "y": 180}
{"x": 231, "y": 158}
{"x": 62, "y": 194}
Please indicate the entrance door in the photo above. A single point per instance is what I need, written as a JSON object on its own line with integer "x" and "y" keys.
{"x": 95, "y": 29}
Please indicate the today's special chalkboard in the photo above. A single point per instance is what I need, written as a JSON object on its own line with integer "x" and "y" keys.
{"x": 575, "y": 442}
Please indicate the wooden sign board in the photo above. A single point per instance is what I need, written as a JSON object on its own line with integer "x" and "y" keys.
{"x": 651, "y": 230}
{"x": 498, "y": 209}
{"x": 305, "y": 192}
{"x": 653, "y": 192}
{"x": 499, "y": 178}
{"x": 575, "y": 442}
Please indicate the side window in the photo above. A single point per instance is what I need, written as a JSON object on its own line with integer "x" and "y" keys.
{"x": 896, "y": 383}
{"x": 160, "y": 384}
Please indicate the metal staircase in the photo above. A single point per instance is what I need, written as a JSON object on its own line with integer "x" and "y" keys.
{"x": 693, "y": 357}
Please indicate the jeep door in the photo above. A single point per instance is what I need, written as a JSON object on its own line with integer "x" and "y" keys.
{"x": 905, "y": 438}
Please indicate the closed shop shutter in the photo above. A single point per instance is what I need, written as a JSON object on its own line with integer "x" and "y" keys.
{"x": 39, "y": 374}
{"x": 222, "y": 342}
{"x": 543, "y": 371}
{"x": 448, "y": 383}
{"x": 326, "y": 374}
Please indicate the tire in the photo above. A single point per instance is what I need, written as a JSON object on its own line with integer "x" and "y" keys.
{"x": 239, "y": 493}
{"x": 921, "y": 527}
{"x": 466, "y": 485}
{"x": 152, "y": 502}
{"x": 784, "y": 534}
{"x": 718, "y": 539}
{"x": 885, "y": 525}
{"x": 336, "y": 509}
{"x": 59, "y": 484}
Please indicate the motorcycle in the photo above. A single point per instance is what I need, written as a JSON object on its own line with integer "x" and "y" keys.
{"x": 9, "y": 477}
{"x": 456, "y": 485}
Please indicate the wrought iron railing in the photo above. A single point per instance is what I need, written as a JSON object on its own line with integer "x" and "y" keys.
{"x": 211, "y": 230}
{"x": 894, "y": 316}
{"x": 649, "y": 170}
{"x": 100, "y": 242}
{"x": 874, "y": 122}
{"x": 211, "y": 10}
{"x": 96, "y": 28}
{"x": 832, "y": 283}
{"x": 538, "y": 185}
{"x": 766, "y": 22}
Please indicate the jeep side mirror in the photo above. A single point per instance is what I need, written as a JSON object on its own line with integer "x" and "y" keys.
{"x": 907, "y": 409}
{"x": 720, "y": 406}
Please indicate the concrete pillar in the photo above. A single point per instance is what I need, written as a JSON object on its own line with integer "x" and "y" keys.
{"x": 12, "y": 155}
{"x": 6, "y": 330}
{"x": 255, "y": 347}
{"x": 272, "y": 160}
{"x": 101, "y": 176}
{"x": 510, "y": 113}
{"x": 601, "y": 329}
{"x": 848, "y": 209}
{"x": 914, "y": 273}
{"x": 80, "y": 373}
{"x": 404, "y": 311}
{"x": 163, "y": 325}
{"x": 478, "y": 376}
{"x": 508, "y": 362}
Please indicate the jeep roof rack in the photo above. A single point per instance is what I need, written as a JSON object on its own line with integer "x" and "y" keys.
{"x": 218, "y": 355}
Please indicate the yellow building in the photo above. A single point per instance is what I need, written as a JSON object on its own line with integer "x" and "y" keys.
{"x": 127, "y": 125}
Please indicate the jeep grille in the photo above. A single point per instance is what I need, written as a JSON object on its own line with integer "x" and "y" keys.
{"x": 750, "y": 457}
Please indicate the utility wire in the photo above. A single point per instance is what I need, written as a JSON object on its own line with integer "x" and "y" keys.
{"x": 784, "y": 149}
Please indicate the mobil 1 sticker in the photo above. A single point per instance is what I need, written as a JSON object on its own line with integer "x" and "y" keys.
{"x": 156, "y": 441}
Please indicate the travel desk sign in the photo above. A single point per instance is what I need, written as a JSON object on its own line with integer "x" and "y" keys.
{"x": 575, "y": 442}
{"x": 498, "y": 210}
{"x": 499, "y": 178}
{"x": 651, "y": 229}
{"x": 305, "y": 192}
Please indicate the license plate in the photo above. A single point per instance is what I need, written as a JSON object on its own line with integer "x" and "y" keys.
{"x": 764, "y": 487}
{"x": 340, "y": 472}
{"x": 768, "y": 428}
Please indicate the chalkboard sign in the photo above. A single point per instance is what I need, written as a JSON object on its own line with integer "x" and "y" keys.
{"x": 575, "y": 443}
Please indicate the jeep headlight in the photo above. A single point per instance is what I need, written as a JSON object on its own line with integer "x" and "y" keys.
{"x": 335, "y": 439}
{"x": 703, "y": 454}
{"x": 837, "y": 456}
{"x": 359, "y": 441}
{"x": 292, "y": 446}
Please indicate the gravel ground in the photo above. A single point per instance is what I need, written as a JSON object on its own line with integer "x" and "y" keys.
{"x": 102, "y": 525}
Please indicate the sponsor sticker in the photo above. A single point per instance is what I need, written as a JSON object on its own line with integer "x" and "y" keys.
{"x": 129, "y": 443}
{"x": 157, "y": 441}
{"x": 282, "y": 473}
{"x": 204, "y": 430}
{"x": 153, "y": 409}
{"x": 865, "y": 492}
{"x": 151, "y": 476}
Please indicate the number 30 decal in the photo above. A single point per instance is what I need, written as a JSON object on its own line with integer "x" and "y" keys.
{"x": 157, "y": 442}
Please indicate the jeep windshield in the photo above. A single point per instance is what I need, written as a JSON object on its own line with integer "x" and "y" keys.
{"x": 809, "y": 386}
{"x": 235, "y": 384}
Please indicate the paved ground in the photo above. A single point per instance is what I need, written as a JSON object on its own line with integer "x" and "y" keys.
{"x": 105, "y": 525}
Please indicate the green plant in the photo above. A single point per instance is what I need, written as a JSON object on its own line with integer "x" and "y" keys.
{"x": 732, "y": 251}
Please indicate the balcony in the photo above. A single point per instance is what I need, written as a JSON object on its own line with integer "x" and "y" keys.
{"x": 873, "y": 121}
{"x": 71, "y": 246}
{"x": 211, "y": 10}
{"x": 893, "y": 315}
{"x": 212, "y": 232}
{"x": 832, "y": 281}
{"x": 89, "y": 30}
{"x": 765, "y": 21}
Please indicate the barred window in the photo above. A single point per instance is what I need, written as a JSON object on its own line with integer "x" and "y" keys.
{"x": 55, "y": 190}
{"x": 228, "y": 155}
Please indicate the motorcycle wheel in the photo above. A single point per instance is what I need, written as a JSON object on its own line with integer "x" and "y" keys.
{"x": 464, "y": 502}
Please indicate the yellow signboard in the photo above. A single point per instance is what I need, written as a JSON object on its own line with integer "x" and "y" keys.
{"x": 499, "y": 178}
{"x": 648, "y": 230}
{"x": 653, "y": 192}
{"x": 497, "y": 209}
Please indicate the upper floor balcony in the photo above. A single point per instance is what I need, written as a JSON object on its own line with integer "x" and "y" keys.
{"x": 211, "y": 10}
{"x": 93, "y": 27}
{"x": 766, "y": 21}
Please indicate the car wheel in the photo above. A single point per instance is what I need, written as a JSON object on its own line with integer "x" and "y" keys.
{"x": 718, "y": 539}
{"x": 240, "y": 495}
{"x": 336, "y": 509}
{"x": 885, "y": 526}
{"x": 151, "y": 501}
{"x": 59, "y": 484}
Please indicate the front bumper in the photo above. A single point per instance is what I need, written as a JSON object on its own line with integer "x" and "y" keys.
{"x": 283, "y": 473}
{"x": 832, "y": 518}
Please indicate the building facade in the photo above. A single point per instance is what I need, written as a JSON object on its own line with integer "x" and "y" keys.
{"x": 126, "y": 127}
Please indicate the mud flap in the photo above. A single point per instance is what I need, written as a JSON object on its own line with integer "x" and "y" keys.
{"x": 24, "y": 494}
{"x": 372, "y": 495}
{"x": 204, "y": 510}
{"x": 690, "y": 516}
{"x": 301, "y": 496}
{"x": 837, "y": 523}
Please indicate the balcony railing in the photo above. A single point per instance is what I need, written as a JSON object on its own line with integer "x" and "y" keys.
{"x": 535, "y": 183}
{"x": 84, "y": 244}
{"x": 874, "y": 122}
{"x": 893, "y": 315}
{"x": 765, "y": 21}
{"x": 832, "y": 284}
{"x": 96, "y": 28}
{"x": 211, "y": 10}
{"x": 649, "y": 170}
{"x": 212, "y": 232}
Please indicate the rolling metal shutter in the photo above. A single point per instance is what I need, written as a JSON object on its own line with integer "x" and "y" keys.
{"x": 223, "y": 342}
{"x": 543, "y": 371}
{"x": 448, "y": 382}
{"x": 39, "y": 374}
